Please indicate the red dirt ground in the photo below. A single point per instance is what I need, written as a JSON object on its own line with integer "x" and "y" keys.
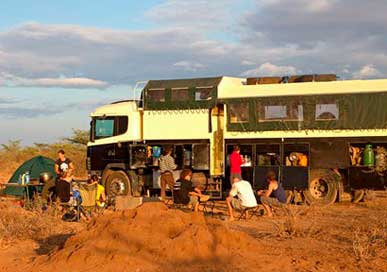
{"x": 342, "y": 237}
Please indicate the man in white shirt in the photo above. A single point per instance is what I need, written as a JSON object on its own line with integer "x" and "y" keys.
{"x": 246, "y": 199}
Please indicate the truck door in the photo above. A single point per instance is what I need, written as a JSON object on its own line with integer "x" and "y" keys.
{"x": 102, "y": 154}
{"x": 295, "y": 169}
{"x": 268, "y": 158}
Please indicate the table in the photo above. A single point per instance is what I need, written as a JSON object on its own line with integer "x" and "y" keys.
{"x": 25, "y": 186}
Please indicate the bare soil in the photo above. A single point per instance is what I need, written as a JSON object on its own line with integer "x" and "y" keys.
{"x": 341, "y": 237}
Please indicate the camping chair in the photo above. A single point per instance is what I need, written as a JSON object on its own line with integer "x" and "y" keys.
{"x": 175, "y": 201}
{"x": 63, "y": 196}
{"x": 207, "y": 204}
{"x": 171, "y": 201}
{"x": 88, "y": 194}
{"x": 249, "y": 212}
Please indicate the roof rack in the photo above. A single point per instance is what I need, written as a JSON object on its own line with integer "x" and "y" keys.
{"x": 291, "y": 79}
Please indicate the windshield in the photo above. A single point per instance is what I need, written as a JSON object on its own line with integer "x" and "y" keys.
{"x": 104, "y": 127}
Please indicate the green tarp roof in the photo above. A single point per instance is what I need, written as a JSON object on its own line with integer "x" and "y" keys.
{"x": 182, "y": 83}
{"x": 35, "y": 166}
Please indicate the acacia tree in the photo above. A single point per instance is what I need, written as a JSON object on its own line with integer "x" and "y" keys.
{"x": 79, "y": 137}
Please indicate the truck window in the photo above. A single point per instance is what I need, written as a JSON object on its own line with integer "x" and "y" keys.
{"x": 180, "y": 94}
{"x": 122, "y": 125}
{"x": 203, "y": 93}
{"x": 156, "y": 95}
{"x": 281, "y": 112}
{"x": 239, "y": 113}
{"x": 328, "y": 111}
{"x": 111, "y": 126}
{"x": 104, "y": 128}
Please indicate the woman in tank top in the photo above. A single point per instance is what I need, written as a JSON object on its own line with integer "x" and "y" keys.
{"x": 274, "y": 196}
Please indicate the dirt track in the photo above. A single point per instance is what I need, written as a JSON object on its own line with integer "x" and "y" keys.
{"x": 342, "y": 237}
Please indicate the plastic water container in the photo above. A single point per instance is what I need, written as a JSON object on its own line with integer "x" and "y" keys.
{"x": 368, "y": 156}
{"x": 27, "y": 177}
{"x": 156, "y": 151}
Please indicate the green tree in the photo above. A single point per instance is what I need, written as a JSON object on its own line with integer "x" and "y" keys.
{"x": 79, "y": 137}
{"x": 12, "y": 146}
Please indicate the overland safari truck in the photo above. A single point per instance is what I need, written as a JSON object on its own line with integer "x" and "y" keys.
{"x": 325, "y": 138}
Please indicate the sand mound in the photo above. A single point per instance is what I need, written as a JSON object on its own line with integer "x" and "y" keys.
{"x": 153, "y": 238}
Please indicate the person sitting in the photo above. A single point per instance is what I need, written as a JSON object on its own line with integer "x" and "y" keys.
{"x": 100, "y": 199}
{"x": 246, "y": 198}
{"x": 274, "y": 196}
{"x": 49, "y": 190}
{"x": 187, "y": 195}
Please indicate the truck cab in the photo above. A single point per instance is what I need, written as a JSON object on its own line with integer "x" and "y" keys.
{"x": 112, "y": 128}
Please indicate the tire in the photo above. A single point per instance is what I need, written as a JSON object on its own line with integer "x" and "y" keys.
{"x": 357, "y": 196}
{"x": 106, "y": 173}
{"x": 117, "y": 183}
{"x": 323, "y": 187}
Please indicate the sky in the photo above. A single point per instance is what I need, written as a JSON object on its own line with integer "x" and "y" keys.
{"x": 59, "y": 60}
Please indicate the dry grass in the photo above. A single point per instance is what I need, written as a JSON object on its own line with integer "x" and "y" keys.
{"x": 370, "y": 241}
{"x": 297, "y": 222}
{"x": 17, "y": 223}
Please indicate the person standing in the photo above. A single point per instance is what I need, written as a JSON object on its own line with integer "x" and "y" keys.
{"x": 235, "y": 164}
{"x": 64, "y": 170}
{"x": 167, "y": 165}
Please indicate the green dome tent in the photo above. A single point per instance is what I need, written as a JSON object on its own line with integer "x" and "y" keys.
{"x": 35, "y": 166}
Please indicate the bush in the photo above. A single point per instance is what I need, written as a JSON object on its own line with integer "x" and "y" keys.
{"x": 18, "y": 224}
{"x": 13, "y": 154}
{"x": 369, "y": 241}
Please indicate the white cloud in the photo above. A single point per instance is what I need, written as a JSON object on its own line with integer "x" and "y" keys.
{"x": 192, "y": 14}
{"x": 269, "y": 69}
{"x": 189, "y": 66}
{"x": 320, "y": 5}
{"x": 247, "y": 63}
{"x": 366, "y": 72}
{"x": 76, "y": 82}
{"x": 38, "y": 51}
{"x": 307, "y": 5}
{"x": 315, "y": 36}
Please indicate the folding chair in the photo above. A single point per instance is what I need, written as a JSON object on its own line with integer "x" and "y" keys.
{"x": 88, "y": 194}
{"x": 249, "y": 212}
{"x": 207, "y": 204}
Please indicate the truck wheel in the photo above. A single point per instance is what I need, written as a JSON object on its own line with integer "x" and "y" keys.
{"x": 118, "y": 183}
{"x": 106, "y": 173}
{"x": 322, "y": 187}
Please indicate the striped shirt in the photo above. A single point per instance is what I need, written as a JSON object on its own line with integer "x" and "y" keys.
{"x": 167, "y": 163}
